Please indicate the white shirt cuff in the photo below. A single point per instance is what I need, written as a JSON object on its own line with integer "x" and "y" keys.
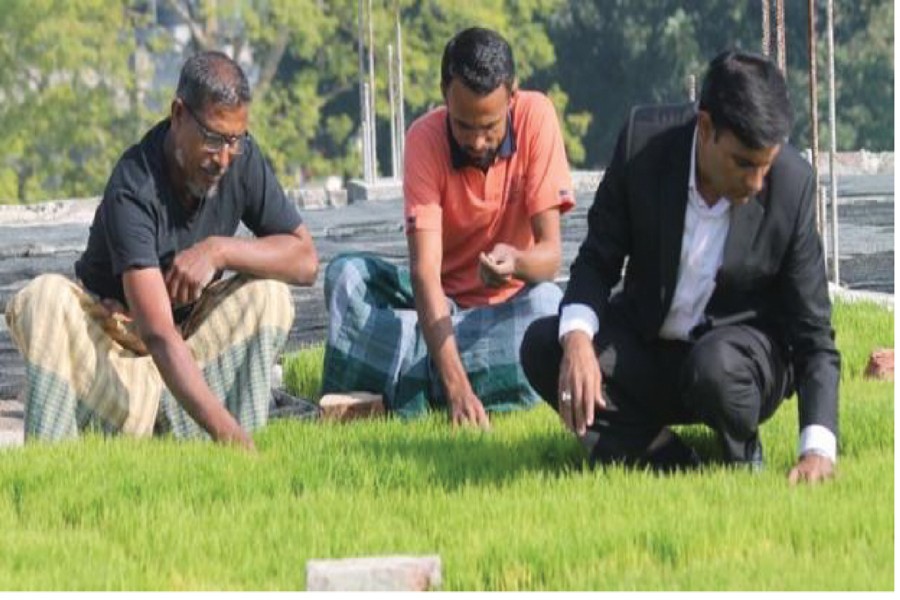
{"x": 818, "y": 439}
{"x": 578, "y": 317}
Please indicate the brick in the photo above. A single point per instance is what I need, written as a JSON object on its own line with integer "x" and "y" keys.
{"x": 881, "y": 365}
{"x": 375, "y": 573}
{"x": 350, "y": 406}
{"x": 11, "y": 438}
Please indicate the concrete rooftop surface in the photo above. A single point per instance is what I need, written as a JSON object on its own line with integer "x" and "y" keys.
{"x": 48, "y": 238}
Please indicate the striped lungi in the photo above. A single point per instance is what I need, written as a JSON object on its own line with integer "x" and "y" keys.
{"x": 375, "y": 343}
{"x": 85, "y": 370}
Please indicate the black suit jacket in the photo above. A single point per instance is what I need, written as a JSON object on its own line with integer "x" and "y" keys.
{"x": 773, "y": 263}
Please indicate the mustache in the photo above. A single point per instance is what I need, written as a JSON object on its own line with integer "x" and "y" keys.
{"x": 213, "y": 170}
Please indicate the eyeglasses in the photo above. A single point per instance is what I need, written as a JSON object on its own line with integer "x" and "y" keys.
{"x": 213, "y": 141}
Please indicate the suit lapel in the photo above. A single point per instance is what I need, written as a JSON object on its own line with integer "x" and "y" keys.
{"x": 673, "y": 194}
{"x": 744, "y": 222}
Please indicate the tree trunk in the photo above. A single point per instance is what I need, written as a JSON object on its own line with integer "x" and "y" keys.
{"x": 23, "y": 175}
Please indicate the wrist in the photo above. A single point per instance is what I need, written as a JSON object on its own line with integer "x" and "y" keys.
{"x": 817, "y": 452}
{"x": 456, "y": 386}
{"x": 576, "y": 338}
{"x": 518, "y": 267}
{"x": 216, "y": 247}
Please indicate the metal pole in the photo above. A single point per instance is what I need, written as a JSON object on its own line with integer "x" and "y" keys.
{"x": 391, "y": 100}
{"x": 692, "y": 87}
{"x": 363, "y": 99}
{"x": 372, "y": 89}
{"x": 832, "y": 126}
{"x": 366, "y": 137}
{"x": 766, "y": 29}
{"x": 779, "y": 33}
{"x": 814, "y": 111}
{"x": 821, "y": 207}
{"x": 401, "y": 119}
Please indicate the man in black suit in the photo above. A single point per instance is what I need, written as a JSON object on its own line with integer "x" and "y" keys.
{"x": 724, "y": 310}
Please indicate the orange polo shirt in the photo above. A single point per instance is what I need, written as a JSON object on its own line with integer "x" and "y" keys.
{"x": 474, "y": 210}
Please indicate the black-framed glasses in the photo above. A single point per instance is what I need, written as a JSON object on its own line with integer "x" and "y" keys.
{"x": 213, "y": 141}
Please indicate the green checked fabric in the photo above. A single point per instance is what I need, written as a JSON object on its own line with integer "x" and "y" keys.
{"x": 79, "y": 374}
{"x": 375, "y": 344}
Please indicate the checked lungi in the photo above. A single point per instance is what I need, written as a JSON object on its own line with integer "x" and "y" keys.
{"x": 375, "y": 343}
{"x": 83, "y": 370}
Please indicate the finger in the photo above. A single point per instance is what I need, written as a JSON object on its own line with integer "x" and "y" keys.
{"x": 483, "y": 421}
{"x": 112, "y": 306}
{"x": 590, "y": 398}
{"x": 173, "y": 285}
{"x": 564, "y": 408}
{"x": 794, "y": 476}
{"x": 598, "y": 389}
{"x": 565, "y": 413}
{"x": 183, "y": 294}
{"x": 578, "y": 402}
{"x": 818, "y": 475}
{"x": 586, "y": 405}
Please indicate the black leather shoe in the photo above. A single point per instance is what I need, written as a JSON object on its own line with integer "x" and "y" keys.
{"x": 672, "y": 456}
{"x": 753, "y": 452}
{"x": 605, "y": 454}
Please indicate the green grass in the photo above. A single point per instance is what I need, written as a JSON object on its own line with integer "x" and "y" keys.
{"x": 512, "y": 509}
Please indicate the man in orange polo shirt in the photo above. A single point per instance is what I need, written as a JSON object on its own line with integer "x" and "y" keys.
{"x": 485, "y": 181}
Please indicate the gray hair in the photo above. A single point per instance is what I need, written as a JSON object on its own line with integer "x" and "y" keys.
{"x": 212, "y": 78}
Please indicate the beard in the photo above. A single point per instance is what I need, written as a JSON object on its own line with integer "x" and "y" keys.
{"x": 482, "y": 162}
{"x": 195, "y": 186}
{"x": 198, "y": 190}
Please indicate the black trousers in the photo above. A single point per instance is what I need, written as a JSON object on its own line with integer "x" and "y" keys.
{"x": 732, "y": 379}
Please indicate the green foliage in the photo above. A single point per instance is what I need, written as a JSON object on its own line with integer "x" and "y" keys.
{"x": 615, "y": 54}
{"x": 514, "y": 509}
{"x": 574, "y": 126}
{"x": 67, "y": 95}
{"x": 302, "y": 371}
{"x": 72, "y": 98}
{"x": 861, "y": 327}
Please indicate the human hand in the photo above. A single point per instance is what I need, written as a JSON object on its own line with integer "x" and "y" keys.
{"x": 497, "y": 266}
{"x": 466, "y": 409}
{"x": 580, "y": 382}
{"x": 118, "y": 324}
{"x": 245, "y": 442}
{"x": 191, "y": 272}
{"x": 811, "y": 468}
{"x": 230, "y": 433}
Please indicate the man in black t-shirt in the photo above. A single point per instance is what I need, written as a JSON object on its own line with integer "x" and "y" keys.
{"x": 150, "y": 340}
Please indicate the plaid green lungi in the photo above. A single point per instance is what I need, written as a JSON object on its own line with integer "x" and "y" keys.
{"x": 82, "y": 371}
{"x": 375, "y": 343}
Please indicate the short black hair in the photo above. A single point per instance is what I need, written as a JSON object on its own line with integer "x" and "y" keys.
{"x": 212, "y": 78}
{"x": 746, "y": 94}
{"x": 480, "y": 58}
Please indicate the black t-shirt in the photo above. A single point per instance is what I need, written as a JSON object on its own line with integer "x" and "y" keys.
{"x": 140, "y": 223}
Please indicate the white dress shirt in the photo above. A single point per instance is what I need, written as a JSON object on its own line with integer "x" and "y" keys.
{"x": 702, "y": 251}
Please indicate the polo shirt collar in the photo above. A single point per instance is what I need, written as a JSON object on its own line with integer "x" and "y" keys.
{"x": 460, "y": 159}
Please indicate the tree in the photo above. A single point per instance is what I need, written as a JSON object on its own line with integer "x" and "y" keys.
{"x": 429, "y": 24}
{"x": 65, "y": 85}
{"x": 617, "y": 53}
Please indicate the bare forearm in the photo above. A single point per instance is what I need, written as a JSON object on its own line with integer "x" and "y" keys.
{"x": 283, "y": 257}
{"x": 539, "y": 263}
{"x": 437, "y": 329}
{"x": 184, "y": 379}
